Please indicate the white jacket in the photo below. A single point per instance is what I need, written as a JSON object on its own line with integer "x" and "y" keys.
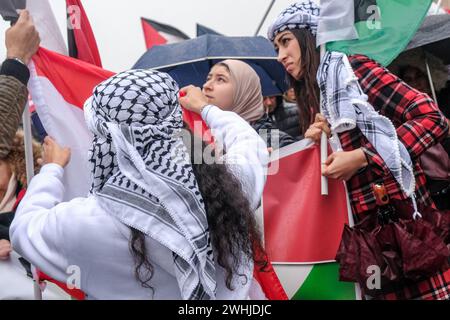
{"x": 79, "y": 243}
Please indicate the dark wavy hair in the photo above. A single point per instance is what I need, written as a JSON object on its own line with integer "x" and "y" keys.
{"x": 234, "y": 232}
{"x": 306, "y": 88}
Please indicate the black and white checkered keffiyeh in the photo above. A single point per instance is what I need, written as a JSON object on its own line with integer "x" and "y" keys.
{"x": 141, "y": 173}
{"x": 345, "y": 106}
{"x": 301, "y": 15}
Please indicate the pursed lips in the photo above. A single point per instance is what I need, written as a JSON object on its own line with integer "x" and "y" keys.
{"x": 288, "y": 66}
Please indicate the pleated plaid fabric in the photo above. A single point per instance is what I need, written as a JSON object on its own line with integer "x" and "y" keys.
{"x": 419, "y": 125}
{"x": 301, "y": 15}
{"x": 141, "y": 172}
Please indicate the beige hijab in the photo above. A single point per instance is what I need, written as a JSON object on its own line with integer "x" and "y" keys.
{"x": 248, "y": 99}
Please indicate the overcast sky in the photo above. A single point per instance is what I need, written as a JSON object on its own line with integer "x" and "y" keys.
{"x": 118, "y": 30}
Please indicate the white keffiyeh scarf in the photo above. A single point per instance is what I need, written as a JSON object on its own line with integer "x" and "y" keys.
{"x": 346, "y": 107}
{"x": 301, "y": 15}
{"x": 141, "y": 172}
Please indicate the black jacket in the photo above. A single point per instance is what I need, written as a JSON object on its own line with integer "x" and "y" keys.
{"x": 273, "y": 137}
{"x": 286, "y": 118}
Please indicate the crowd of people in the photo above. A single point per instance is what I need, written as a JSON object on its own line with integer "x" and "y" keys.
{"x": 159, "y": 225}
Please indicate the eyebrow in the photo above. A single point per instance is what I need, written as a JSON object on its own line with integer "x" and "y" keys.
{"x": 220, "y": 74}
{"x": 282, "y": 37}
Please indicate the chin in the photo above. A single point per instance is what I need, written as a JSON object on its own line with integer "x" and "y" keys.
{"x": 295, "y": 75}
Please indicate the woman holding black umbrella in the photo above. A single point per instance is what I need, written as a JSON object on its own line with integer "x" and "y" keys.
{"x": 382, "y": 126}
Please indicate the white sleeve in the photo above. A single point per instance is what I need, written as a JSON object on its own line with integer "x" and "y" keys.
{"x": 246, "y": 153}
{"x": 36, "y": 231}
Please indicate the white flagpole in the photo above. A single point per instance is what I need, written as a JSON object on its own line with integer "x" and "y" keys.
{"x": 324, "y": 138}
{"x": 28, "y": 138}
{"x": 265, "y": 17}
{"x": 26, "y": 119}
{"x": 323, "y": 142}
{"x": 430, "y": 79}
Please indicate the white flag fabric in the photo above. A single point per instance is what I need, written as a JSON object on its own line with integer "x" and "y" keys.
{"x": 336, "y": 22}
{"x": 59, "y": 86}
{"x": 45, "y": 21}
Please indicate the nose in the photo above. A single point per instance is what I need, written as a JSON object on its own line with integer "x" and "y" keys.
{"x": 281, "y": 55}
{"x": 208, "y": 85}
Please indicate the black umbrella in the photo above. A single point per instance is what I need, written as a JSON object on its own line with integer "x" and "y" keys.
{"x": 189, "y": 61}
{"x": 8, "y": 9}
{"x": 434, "y": 36}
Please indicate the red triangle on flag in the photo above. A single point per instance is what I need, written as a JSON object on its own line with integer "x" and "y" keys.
{"x": 152, "y": 36}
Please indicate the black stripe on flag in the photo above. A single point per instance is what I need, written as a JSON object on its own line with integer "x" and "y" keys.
{"x": 161, "y": 27}
{"x": 73, "y": 49}
{"x": 362, "y": 12}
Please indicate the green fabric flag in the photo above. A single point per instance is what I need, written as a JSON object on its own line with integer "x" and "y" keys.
{"x": 323, "y": 283}
{"x": 384, "y": 27}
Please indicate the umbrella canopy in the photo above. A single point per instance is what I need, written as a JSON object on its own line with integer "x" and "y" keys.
{"x": 189, "y": 62}
{"x": 434, "y": 37}
{"x": 417, "y": 58}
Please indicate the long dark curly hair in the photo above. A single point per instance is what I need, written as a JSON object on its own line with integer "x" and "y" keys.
{"x": 234, "y": 232}
{"x": 306, "y": 88}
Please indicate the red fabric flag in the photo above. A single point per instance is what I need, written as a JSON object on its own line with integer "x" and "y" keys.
{"x": 300, "y": 225}
{"x": 82, "y": 44}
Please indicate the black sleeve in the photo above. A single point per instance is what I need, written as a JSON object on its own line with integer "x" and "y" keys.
{"x": 5, "y": 221}
{"x": 286, "y": 139}
{"x": 11, "y": 67}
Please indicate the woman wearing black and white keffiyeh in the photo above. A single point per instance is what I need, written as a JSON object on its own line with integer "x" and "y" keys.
{"x": 156, "y": 225}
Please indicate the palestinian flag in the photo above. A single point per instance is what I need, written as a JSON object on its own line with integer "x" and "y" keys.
{"x": 157, "y": 33}
{"x": 82, "y": 44}
{"x": 302, "y": 228}
{"x": 379, "y": 29}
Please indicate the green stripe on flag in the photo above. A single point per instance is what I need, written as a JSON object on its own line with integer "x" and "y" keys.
{"x": 323, "y": 283}
{"x": 398, "y": 23}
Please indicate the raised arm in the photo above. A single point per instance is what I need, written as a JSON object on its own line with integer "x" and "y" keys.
{"x": 22, "y": 41}
{"x": 38, "y": 231}
{"x": 246, "y": 152}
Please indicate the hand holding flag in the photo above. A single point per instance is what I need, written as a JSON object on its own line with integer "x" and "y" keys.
{"x": 193, "y": 101}
{"x": 22, "y": 40}
{"x": 54, "y": 153}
